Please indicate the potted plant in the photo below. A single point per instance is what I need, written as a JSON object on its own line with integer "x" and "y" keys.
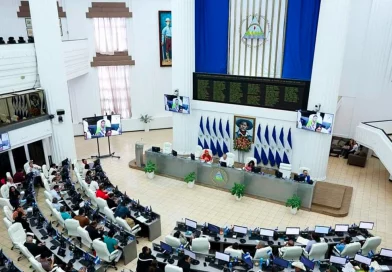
{"x": 146, "y": 119}
{"x": 190, "y": 179}
{"x": 150, "y": 169}
{"x": 238, "y": 190}
{"x": 294, "y": 203}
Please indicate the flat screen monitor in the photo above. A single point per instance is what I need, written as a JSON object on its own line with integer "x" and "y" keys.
{"x": 321, "y": 229}
{"x": 213, "y": 228}
{"x": 239, "y": 229}
{"x": 337, "y": 260}
{"x": 248, "y": 260}
{"x": 190, "y": 223}
{"x": 280, "y": 262}
{"x": 341, "y": 228}
{"x": 4, "y": 142}
{"x": 386, "y": 252}
{"x": 167, "y": 248}
{"x": 315, "y": 121}
{"x": 267, "y": 232}
{"x": 292, "y": 231}
{"x": 366, "y": 225}
{"x": 190, "y": 254}
{"x": 101, "y": 126}
{"x": 222, "y": 256}
{"x": 307, "y": 263}
{"x": 362, "y": 259}
{"x": 176, "y": 103}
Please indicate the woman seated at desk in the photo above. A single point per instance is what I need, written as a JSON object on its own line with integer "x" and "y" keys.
{"x": 206, "y": 157}
{"x": 249, "y": 167}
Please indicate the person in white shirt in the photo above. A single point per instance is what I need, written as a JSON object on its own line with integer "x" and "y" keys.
{"x": 223, "y": 159}
{"x": 93, "y": 184}
{"x": 55, "y": 192}
{"x": 33, "y": 168}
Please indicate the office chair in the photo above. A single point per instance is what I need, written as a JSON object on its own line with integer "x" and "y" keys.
{"x": 370, "y": 244}
{"x": 262, "y": 253}
{"x": 25, "y": 252}
{"x": 72, "y": 227}
{"x": 349, "y": 250}
{"x": 290, "y": 253}
{"x": 45, "y": 171}
{"x": 200, "y": 245}
{"x": 6, "y": 202}
{"x": 5, "y": 191}
{"x": 18, "y": 235}
{"x": 86, "y": 240}
{"x": 59, "y": 218}
{"x": 230, "y": 159}
{"x": 198, "y": 151}
{"x": 50, "y": 206}
{"x": 46, "y": 184}
{"x": 101, "y": 204}
{"x": 48, "y": 196}
{"x": 91, "y": 196}
{"x": 102, "y": 252}
{"x": 317, "y": 252}
{"x": 172, "y": 241}
{"x": 8, "y": 213}
{"x": 109, "y": 214}
{"x": 122, "y": 223}
{"x": 172, "y": 268}
{"x": 37, "y": 267}
{"x": 7, "y": 222}
{"x": 233, "y": 252}
{"x": 285, "y": 169}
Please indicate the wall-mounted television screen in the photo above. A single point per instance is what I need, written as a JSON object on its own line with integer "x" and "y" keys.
{"x": 102, "y": 126}
{"x": 176, "y": 103}
{"x": 315, "y": 121}
{"x": 4, "y": 142}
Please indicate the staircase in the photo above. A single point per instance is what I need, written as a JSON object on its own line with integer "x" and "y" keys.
{"x": 377, "y": 135}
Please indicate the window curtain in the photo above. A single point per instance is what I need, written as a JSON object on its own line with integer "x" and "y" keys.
{"x": 110, "y": 35}
{"x": 114, "y": 90}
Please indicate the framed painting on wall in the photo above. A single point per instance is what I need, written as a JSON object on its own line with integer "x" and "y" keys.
{"x": 244, "y": 126}
{"x": 165, "y": 38}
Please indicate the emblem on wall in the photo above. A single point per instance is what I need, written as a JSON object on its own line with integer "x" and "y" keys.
{"x": 256, "y": 32}
{"x": 219, "y": 176}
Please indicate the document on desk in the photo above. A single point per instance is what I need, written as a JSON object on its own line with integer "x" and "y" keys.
{"x": 361, "y": 238}
{"x": 141, "y": 219}
{"x": 385, "y": 268}
{"x": 348, "y": 268}
{"x": 302, "y": 241}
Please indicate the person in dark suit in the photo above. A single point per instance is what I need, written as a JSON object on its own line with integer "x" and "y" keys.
{"x": 154, "y": 267}
{"x": 185, "y": 263}
{"x": 34, "y": 249}
{"x": 93, "y": 232}
{"x": 145, "y": 259}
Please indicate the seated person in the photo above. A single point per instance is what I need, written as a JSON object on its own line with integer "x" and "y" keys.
{"x": 14, "y": 196}
{"x": 22, "y": 219}
{"x": 315, "y": 239}
{"x": 53, "y": 167}
{"x": 122, "y": 211}
{"x": 101, "y": 192}
{"x": 33, "y": 168}
{"x": 19, "y": 176}
{"x": 46, "y": 261}
{"x": 112, "y": 203}
{"x": 343, "y": 243}
{"x": 35, "y": 249}
{"x": 223, "y": 159}
{"x": 64, "y": 214}
{"x": 289, "y": 243}
{"x": 235, "y": 246}
{"x": 81, "y": 217}
{"x": 55, "y": 192}
{"x": 130, "y": 221}
{"x": 144, "y": 260}
{"x": 17, "y": 211}
{"x": 260, "y": 245}
{"x": 206, "y": 157}
{"x": 154, "y": 267}
{"x": 85, "y": 164}
{"x": 305, "y": 176}
{"x": 93, "y": 231}
{"x": 56, "y": 204}
{"x": 249, "y": 167}
{"x": 180, "y": 236}
{"x": 185, "y": 263}
{"x": 298, "y": 266}
{"x": 111, "y": 243}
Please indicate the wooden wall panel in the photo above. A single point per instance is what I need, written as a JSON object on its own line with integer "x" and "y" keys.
{"x": 24, "y": 10}
{"x": 108, "y": 10}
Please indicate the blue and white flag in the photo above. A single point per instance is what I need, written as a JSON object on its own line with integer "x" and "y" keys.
{"x": 289, "y": 148}
{"x": 271, "y": 158}
{"x": 257, "y": 146}
{"x": 278, "y": 160}
{"x": 289, "y": 139}
{"x": 207, "y": 135}
{"x": 265, "y": 148}
{"x": 227, "y": 138}
{"x": 200, "y": 139}
{"x": 281, "y": 137}
{"x": 213, "y": 138}
{"x": 219, "y": 141}
{"x": 274, "y": 136}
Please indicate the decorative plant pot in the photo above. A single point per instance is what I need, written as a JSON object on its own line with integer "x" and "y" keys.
{"x": 238, "y": 198}
{"x": 293, "y": 210}
{"x": 151, "y": 175}
{"x": 191, "y": 184}
{"x": 146, "y": 127}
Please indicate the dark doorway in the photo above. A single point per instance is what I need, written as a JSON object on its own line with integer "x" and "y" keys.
{"x": 20, "y": 158}
{"x": 36, "y": 151}
{"x": 5, "y": 165}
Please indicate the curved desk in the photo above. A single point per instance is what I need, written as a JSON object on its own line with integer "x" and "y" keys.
{"x": 259, "y": 185}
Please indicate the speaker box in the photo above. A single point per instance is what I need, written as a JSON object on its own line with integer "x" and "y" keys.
{"x": 156, "y": 149}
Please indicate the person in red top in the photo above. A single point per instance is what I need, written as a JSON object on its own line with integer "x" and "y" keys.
{"x": 101, "y": 193}
{"x": 206, "y": 157}
{"x": 19, "y": 176}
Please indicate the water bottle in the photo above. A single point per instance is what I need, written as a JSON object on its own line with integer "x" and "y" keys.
{"x": 230, "y": 266}
{"x": 371, "y": 269}
{"x": 261, "y": 263}
{"x": 289, "y": 267}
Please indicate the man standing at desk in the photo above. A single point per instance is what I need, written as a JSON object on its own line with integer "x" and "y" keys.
{"x": 185, "y": 263}
{"x": 305, "y": 176}
{"x": 145, "y": 259}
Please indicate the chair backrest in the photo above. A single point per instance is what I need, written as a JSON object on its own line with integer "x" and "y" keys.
{"x": 285, "y": 169}
{"x": 233, "y": 252}
{"x": 109, "y": 214}
{"x": 198, "y": 151}
{"x": 58, "y": 217}
{"x": 7, "y": 222}
{"x": 17, "y": 233}
{"x": 45, "y": 170}
{"x": 25, "y": 251}
{"x": 371, "y": 244}
{"x": 72, "y": 227}
{"x": 86, "y": 240}
{"x": 92, "y": 197}
{"x": 46, "y": 184}
{"x": 49, "y": 204}
{"x": 172, "y": 241}
{"x": 200, "y": 245}
{"x": 36, "y": 265}
{"x": 8, "y": 175}
{"x": 101, "y": 204}
{"x": 5, "y": 202}
{"x": 262, "y": 253}
{"x": 84, "y": 172}
{"x": 172, "y": 268}
{"x": 5, "y": 191}
{"x": 48, "y": 196}
{"x": 101, "y": 250}
{"x": 230, "y": 159}
{"x": 122, "y": 223}
{"x": 292, "y": 253}
{"x": 351, "y": 249}
{"x": 167, "y": 148}
{"x": 8, "y": 213}
{"x": 318, "y": 251}
{"x": 248, "y": 159}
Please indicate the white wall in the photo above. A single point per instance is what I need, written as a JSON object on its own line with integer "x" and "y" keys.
{"x": 10, "y": 24}
{"x": 29, "y": 134}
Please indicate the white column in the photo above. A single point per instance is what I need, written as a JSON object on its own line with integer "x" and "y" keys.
{"x": 183, "y": 18}
{"x": 26, "y": 148}
{"x": 52, "y": 74}
{"x": 46, "y": 145}
{"x": 11, "y": 158}
{"x": 325, "y": 83}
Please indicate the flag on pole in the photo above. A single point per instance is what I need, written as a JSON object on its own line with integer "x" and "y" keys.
{"x": 201, "y": 132}
{"x": 285, "y": 158}
{"x": 219, "y": 140}
{"x": 207, "y": 134}
{"x": 277, "y": 158}
{"x": 271, "y": 158}
{"x": 274, "y": 135}
{"x": 265, "y": 149}
{"x": 256, "y": 152}
{"x": 289, "y": 139}
{"x": 281, "y": 137}
{"x": 213, "y": 138}
{"x": 226, "y": 141}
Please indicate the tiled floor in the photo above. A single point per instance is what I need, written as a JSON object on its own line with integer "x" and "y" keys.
{"x": 172, "y": 199}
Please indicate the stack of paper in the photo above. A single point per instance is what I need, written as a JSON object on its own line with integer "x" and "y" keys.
{"x": 302, "y": 241}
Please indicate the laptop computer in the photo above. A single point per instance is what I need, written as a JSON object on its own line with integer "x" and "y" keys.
{"x": 223, "y": 164}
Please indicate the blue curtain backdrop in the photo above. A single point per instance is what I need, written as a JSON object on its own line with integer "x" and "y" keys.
{"x": 212, "y": 30}
{"x": 301, "y": 30}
